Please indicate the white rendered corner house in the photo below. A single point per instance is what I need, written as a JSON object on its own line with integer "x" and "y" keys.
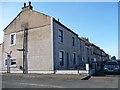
{"x": 42, "y": 44}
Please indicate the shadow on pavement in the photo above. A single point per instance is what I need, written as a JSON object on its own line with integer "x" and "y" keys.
{"x": 101, "y": 73}
{"x": 86, "y": 78}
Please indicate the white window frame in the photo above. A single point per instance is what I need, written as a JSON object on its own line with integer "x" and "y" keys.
{"x": 14, "y": 39}
{"x": 63, "y": 58}
{"x": 10, "y": 62}
{"x": 59, "y": 37}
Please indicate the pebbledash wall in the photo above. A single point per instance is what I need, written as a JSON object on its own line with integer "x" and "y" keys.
{"x": 50, "y": 45}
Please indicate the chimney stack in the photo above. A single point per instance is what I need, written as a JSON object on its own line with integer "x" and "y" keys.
{"x": 58, "y": 19}
{"x": 29, "y": 7}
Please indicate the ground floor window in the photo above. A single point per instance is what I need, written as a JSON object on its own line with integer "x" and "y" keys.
{"x": 5, "y": 62}
{"x": 12, "y": 62}
{"x": 61, "y": 58}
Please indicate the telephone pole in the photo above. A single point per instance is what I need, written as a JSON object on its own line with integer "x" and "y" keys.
{"x": 25, "y": 51}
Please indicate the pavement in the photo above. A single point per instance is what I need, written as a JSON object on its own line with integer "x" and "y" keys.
{"x": 50, "y": 76}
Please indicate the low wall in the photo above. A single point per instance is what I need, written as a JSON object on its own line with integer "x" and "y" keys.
{"x": 66, "y": 72}
{"x": 83, "y": 72}
{"x": 15, "y": 71}
{"x": 56, "y": 72}
{"x": 42, "y": 72}
{"x": 37, "y": 72}
{"x": 71, "y": 72}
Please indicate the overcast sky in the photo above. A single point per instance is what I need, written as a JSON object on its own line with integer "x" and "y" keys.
{"x": 97, "y": 21}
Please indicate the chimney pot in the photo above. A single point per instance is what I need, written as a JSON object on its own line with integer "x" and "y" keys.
{"x": 24, "y": 4}
{"x": 29, "y": 7}
{"x": 29, "y": 3}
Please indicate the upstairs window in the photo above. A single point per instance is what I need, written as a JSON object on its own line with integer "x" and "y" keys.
{"x": 61, "y": 58}
{"x": 73, "y": 41}
{"x": 12, "y": 38}
{"x": 60, "y": 36}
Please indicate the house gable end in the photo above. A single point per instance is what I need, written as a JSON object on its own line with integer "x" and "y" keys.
{"x": 27, "y": 19}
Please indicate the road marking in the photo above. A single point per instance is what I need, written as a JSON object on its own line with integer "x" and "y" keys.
{"x": 43, "y": 85}
{"x": 33, "y": 84}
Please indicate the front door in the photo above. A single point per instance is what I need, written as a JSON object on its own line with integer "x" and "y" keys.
{"x": 67, "y": 60}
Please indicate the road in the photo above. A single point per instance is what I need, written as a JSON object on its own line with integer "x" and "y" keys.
{"x": 57, "y": 81}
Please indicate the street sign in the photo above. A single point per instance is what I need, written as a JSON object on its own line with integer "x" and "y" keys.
{"x": 8, "y": 61}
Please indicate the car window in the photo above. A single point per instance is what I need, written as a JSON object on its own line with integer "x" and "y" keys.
{"x": 119, "y": 62}
{"x": 111, "y": 63}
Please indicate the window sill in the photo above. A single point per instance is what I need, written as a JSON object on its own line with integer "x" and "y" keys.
{"x": 61, "y": 43}
{"x": 12, "y": 45}
{"x": 11, "y": 66}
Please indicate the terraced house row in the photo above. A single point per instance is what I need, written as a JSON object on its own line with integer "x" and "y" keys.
{"x": 39, "y": 42}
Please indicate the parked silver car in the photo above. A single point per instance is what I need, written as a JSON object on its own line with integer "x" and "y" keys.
{"x": 111, "y": 67}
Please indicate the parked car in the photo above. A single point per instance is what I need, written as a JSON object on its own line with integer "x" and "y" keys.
{"x": 118, "y": 62}
{"x": 111, "y": 67}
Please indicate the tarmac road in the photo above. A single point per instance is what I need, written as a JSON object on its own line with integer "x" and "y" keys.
{"x": 57, "y": 81}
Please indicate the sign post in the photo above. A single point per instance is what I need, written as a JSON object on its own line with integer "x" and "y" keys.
{"x": 8, "y": 61}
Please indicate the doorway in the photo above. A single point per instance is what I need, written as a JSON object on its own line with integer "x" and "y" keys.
{"x": 67, "y": 55}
